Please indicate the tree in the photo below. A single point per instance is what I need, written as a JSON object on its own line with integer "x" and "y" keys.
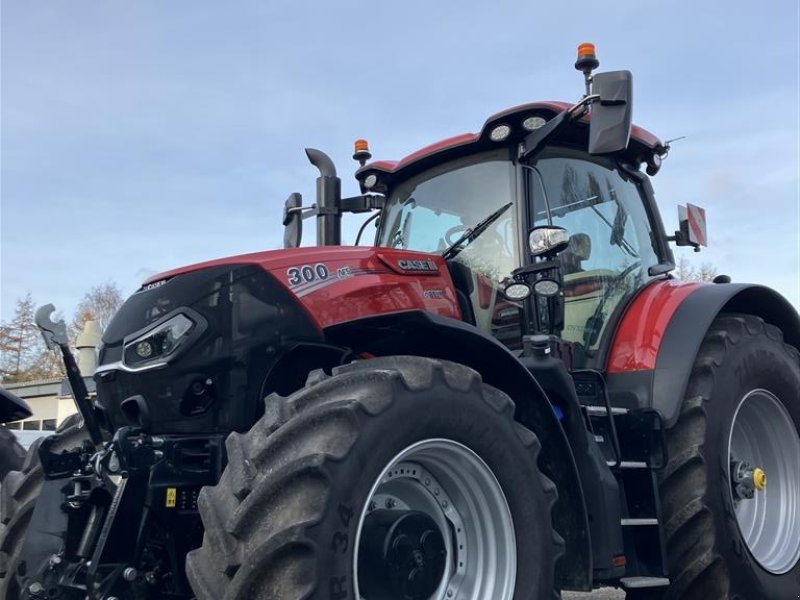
{"x": 23, "y": 354}
{"x": 98, "y": 304}
{"x": 48, "y": 365}
{"x": 688, "y": 272}
{"x": 20, "y": 342}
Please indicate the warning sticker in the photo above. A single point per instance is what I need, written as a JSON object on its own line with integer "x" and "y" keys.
{"x": 172, "y": 496}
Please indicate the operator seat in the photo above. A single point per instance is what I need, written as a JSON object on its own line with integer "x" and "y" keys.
{"x": 578, "y": 250}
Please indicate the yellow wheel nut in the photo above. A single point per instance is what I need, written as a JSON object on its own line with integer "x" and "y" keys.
{"x": 759, "y": 479}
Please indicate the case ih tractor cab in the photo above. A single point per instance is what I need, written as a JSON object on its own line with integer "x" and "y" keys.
{"x": 506, "y": 396}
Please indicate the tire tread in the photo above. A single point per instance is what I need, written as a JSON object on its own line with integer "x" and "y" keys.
{"x": 319, "y": 423}
{"x": 697, "y": 568}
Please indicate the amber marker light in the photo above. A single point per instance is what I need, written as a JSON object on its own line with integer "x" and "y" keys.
{"x": 586, "y": 50}
{"x": 361, "y": 152}
{"x": 587, "y": 62}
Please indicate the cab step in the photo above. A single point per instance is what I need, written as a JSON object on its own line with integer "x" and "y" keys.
{"x": 637, "y": 583}
{"x": 638, "y": 522}
{"x": 629, "y": 464}
{"x": 601, "y": 411}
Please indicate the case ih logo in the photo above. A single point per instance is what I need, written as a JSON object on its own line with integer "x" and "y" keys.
{"x": 417, "y": 265}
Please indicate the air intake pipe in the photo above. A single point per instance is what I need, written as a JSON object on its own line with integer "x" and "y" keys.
{"x": 329, "y": 199}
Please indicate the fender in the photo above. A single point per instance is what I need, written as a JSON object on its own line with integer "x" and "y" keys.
{"x": 421, "y": 333}
{"x": 654, "y": 349}
{"x": 13, "y": 408}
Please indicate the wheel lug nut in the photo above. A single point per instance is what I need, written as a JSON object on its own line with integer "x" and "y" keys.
{"x": 390, "y": 503}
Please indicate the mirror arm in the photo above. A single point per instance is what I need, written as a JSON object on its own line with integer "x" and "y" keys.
{"x": 582, "y": 106}
{"x": 365, "y": 203}
{"x": 304, "y": 211}
{"x": 535, "y": 141}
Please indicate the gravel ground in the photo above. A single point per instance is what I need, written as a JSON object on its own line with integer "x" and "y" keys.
{"x": 601, "y": 594}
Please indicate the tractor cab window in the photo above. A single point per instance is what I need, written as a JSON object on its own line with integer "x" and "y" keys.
{"x": 430, "y": 212}
{"x": 611, "y": 241}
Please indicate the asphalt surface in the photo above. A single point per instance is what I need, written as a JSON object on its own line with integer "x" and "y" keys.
{"x": 601, "y": 594}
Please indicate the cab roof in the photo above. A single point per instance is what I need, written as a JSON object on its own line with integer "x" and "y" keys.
{"x": 642, "y": 145}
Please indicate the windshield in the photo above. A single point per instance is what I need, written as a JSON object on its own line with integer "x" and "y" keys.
{"x": 432, "y": 211}
{"x": 611, "y": 241}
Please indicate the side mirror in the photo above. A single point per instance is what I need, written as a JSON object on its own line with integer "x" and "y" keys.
{"x": 610, "y": 125}
{"x": 547, "y": 240}
{"x": 292, "y": 221}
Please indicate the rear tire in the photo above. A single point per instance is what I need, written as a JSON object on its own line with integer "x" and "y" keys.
{"x": 18, "y": 493}
{"x": 12, "y": 454}
{"x": 713, "y": 552}
{"x": 284, "y": 520}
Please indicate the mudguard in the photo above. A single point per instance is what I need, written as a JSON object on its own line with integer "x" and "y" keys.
{"x": 13, "y": 408}
{"x": 658, "y": 339}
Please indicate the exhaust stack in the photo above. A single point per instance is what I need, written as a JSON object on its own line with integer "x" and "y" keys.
{"x": 329, "y": 199}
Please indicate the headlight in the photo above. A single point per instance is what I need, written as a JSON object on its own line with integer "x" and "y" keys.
{"x": 500, "y": 133}
{"x": 533, "y": 123}
{"x": 158, "y": 344}
{"x": 517, "y": 291}
{"x": 546, "y": 288}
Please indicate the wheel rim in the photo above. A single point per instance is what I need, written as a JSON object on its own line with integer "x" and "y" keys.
{"x": 456, "y": 490}
{"x": 763, "y": 435}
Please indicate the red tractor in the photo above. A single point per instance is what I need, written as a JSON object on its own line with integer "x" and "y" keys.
{"x": 506, "y": 396}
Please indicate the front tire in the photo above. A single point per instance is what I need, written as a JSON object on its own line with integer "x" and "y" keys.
{"x": 304, "y": 508}
{"x": 741, "y": 412}
{"x": 12, "y": 454}
{"x": 18, "y": 493}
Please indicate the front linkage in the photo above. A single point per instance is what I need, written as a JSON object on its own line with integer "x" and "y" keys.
{"x": 124, "y": 517}
{"x": 114, "y": 517}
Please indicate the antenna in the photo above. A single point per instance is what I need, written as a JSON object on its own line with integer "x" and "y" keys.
{"x": 668, "y": 145}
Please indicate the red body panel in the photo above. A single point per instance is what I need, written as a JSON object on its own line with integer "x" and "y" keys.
{"x": 638, "y": 337}
{"x": 457, "y": 140}
{"x": 337, "y": 284}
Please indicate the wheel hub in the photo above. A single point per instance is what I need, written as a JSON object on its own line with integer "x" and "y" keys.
{"x": 403, "y": 553}
{"x": 435, "y": 526}
{"x": 746, "y": 480}
{"x": 763, "y": 433}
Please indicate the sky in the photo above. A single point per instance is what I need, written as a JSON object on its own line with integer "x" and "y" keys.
{"x": 136, "y": 137}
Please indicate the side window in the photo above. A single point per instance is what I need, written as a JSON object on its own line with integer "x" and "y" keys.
{"x": 611, "y": 244}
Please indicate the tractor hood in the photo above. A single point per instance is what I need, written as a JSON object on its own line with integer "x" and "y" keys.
{"x": 192, "y": 349}
{"x": 336, "y": 284}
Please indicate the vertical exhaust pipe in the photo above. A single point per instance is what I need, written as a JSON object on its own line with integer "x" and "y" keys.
{"x": 329, "y": 196}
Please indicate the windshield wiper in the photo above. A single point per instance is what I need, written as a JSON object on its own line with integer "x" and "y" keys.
{"x": 470, "y": 234}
